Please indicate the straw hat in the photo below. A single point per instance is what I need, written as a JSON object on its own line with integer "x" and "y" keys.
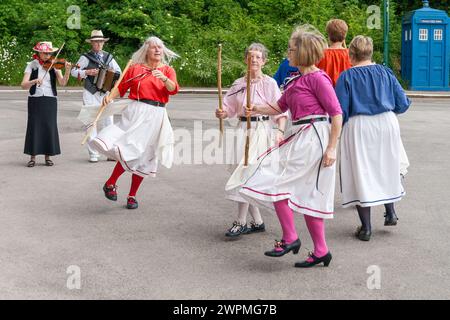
{"x": 45, "y": 46}
{"x": 97, "y": 35}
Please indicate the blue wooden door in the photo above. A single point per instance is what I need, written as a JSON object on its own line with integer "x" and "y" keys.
{"x": 437, "y": 56}
{"x": 431, "y": 56}
{"x": 422, "y": 78}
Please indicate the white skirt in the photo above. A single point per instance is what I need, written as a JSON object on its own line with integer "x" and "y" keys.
{"x": 372, "y": 159}
{"x": 294, "y": 171}
{"x": 260, "y": 140}
{"x": 141, "y": 139}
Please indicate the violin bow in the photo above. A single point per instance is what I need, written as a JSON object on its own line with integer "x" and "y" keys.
{"x": 219, "y": 85}
{"x": 56, "y": 57}
{"x": 247, "y": 140}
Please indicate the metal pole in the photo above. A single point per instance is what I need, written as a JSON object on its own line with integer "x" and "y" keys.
{"x": 386, "y": 33}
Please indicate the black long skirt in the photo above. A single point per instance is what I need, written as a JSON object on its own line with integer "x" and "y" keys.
{"x": 42, "y": 129}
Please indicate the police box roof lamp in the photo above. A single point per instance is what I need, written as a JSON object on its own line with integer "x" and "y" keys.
{"x": 426, "y": 4}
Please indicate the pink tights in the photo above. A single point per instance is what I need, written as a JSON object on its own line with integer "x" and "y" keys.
{"x": 316, "y": 227}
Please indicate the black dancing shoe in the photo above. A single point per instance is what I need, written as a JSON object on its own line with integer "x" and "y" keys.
{"x": 390, "y": 219}
{"x": 362, "y": 234}
{"x": 132, "y": 203}
{"x": 236, "y": 229}
{"x": 254, "y": 227}
{"x": 276, "y": 252}
{"x": 110, "y": 192}
{"x": 326, "y": 259}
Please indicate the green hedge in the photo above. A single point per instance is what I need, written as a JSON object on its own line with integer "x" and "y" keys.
{"x": 192, "y": 28}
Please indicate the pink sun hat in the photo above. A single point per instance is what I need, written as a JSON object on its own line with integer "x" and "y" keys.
{"x": 45, "y": 46}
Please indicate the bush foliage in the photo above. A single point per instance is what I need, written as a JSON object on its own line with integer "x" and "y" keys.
{"x": 192, "y": 28}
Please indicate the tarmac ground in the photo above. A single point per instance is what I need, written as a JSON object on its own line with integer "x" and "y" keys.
{"x": 56, "y": 227}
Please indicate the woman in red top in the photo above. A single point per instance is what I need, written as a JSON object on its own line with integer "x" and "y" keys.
{"x": 144, "y": 136}
{"x": 336, "y": 58}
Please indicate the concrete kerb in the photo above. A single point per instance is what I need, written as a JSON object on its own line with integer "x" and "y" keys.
{"x": 188, "y": 90}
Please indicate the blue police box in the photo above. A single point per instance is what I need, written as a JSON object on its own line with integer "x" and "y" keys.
{"x": 426, "y": 49}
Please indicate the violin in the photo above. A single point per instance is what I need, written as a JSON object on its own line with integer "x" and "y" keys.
{"x": 58, "y": 64}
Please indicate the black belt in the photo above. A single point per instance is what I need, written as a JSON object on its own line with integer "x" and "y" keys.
{"x": 153, "y": 103}
{"x": 311, "y": 120}
{"x": 253, "y": 119}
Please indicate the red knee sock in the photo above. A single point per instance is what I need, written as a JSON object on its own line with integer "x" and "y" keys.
{"x": 135, "y": 183}
{"x": 117, "y": 172}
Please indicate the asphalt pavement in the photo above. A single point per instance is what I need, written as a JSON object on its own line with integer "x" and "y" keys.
{"x": 61, "y": 239}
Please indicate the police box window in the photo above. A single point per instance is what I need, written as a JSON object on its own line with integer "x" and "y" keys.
{"x": 423, "y": 34}
{"x": 438, "y": 34}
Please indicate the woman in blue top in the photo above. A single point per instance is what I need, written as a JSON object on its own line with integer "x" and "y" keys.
{"x": 371, "y": 147}
{"x": 285, "y": 72}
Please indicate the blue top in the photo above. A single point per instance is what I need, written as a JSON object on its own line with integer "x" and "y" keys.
{"x": 285, "y": 71}
{"x": 370, "y": 90}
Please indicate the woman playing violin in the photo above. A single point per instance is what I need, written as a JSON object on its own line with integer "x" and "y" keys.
{"x": 40, "y": 79}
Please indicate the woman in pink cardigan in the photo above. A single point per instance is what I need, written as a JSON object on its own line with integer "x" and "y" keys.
{"x": 262, "y": 90}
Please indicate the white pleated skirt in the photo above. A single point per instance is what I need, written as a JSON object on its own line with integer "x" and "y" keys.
{"x": 294, "y": 171}
{"x": 372, "y": 160}
{"x": 140, "y": 140}
{"x": 260, "y": 140}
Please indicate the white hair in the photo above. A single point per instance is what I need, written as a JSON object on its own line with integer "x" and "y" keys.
{"x": 255, "y": 46}
{"x": 140, "y": 56}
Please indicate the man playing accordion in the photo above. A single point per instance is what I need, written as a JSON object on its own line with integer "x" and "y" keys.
{"x": 94, "y": 67}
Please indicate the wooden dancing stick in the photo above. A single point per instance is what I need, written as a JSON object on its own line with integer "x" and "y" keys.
{"x": 219, "y": 85}
{"x": 247, "y": 140}
{"x": 103, "y": 106}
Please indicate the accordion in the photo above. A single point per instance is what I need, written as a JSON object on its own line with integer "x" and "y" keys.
{"x": 105, "y": 80}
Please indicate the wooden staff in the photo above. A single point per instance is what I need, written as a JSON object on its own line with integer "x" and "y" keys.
{"x": 247, "y": 140}
{"x": 102, "y": 108}
{"x": 219, "y": 85}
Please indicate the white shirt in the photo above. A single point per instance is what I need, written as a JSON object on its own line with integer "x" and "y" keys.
{"x": 83, "y": 62}
{"x": 45, "y": 89}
